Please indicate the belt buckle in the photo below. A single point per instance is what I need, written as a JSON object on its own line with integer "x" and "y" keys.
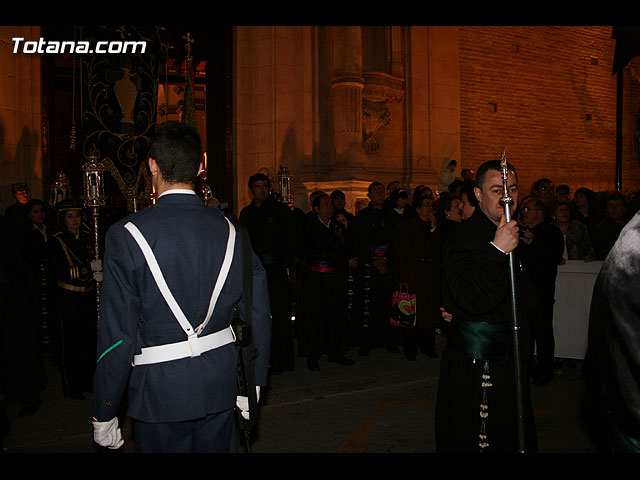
{"x": 194, "y": 346}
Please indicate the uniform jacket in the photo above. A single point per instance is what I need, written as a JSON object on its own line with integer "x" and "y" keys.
{"x": 189, "y": 241}
{"x": 71, "y": 258}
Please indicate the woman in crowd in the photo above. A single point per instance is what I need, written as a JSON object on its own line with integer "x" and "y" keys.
{"x": 469, "y": 201}
{"x": 417, "y": 258}
{"x": 577, "y": 242}
{"x": 584, "y": 209}
{"x": 448, "y": 211}
{"x": 399, "y": 201}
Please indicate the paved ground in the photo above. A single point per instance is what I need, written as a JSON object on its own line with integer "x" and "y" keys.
{"x": 382, "y": 404}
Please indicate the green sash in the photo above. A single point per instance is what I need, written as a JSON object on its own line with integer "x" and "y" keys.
{"x": 480, "y": 340}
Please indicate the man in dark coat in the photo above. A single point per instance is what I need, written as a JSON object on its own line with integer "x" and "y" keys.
{"x": 476, "y": 401}
{"x": 274, "y": 233}
{"x": 165, "y": 324}
{"x": 612, "y": 363}
{"x": 541, "y": 258}
{"x": 606, "y": 231}
{"x": 374, "y": 237}
{"x": 16, "y": 212}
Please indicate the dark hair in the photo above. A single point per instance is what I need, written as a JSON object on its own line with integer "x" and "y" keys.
{"x": 374, "y": 184}
{"x": 615, "y": 196}
{"x": 177, "y": 149}
{"x": 258, "y": 177}
{"x": 396, "y": 195}
{"x": 420, "y": 191}
{"x": 563, "y": 188}
{"x": 32, "y": 203}
{"x": 443, "y": 204}
{"x": 536, "y": 202}
{"x": 313, "y": 195}
{"x": 558, "y": 203}
{"x": 337, "y": 193}
{"x": 391, "y": 183}
{"x": 316, "y": 200}
{"x": 537, "y": 183}
{"x": 469, "y": 191}
{"x": 491, "y": 165}
{"x": 455, "y": 185}
{"x": 420, "y": 200}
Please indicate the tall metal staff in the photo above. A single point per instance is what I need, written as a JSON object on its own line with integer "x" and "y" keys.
{"x": 94, "y": 197}
{"x": 506, "y": 201}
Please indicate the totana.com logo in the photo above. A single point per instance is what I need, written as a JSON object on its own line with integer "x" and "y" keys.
{"x": 68, "y": 46}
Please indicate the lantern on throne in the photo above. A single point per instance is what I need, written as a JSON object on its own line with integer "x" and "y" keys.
{"x": 285, "y": 185}
{"x": 60, "y": 189}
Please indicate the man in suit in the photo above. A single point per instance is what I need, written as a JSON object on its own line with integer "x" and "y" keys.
{"x": 165, "y": 324}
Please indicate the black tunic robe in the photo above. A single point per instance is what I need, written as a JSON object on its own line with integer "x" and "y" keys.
{"x": 323, "y": 327}
{"x": 473, "y": 384}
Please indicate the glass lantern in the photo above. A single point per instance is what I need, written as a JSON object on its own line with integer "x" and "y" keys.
{"x": 93, "y": 179}
{"x": 60, "y": 189}
{"x": 285, "y": 185}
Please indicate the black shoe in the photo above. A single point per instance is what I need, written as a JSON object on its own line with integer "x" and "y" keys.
{"x": 432, "y": 354}
{"x": 410, "y": 357}
{"x": 313, "y": 365}
{"x": 341, "y": 359}
{"x": 393, "y": 349}
{"x": 363, "y": 351}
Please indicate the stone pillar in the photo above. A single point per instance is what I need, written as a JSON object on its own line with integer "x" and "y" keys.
{"x": 347, "y": 84}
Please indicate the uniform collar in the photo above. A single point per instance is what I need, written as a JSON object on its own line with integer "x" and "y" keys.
{"x": 177, "y": 190}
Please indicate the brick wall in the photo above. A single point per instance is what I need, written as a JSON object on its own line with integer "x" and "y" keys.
{"x": 547, "y": 96}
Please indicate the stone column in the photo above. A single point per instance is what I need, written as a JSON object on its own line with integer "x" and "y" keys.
{"x": 347, "y": 84}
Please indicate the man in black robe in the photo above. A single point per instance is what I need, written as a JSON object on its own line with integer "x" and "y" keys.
{"x": 324, "y": 327}
{"x": 476, "y": 401}
{"x": 274, "y": 232}
{"x": 374, "y": 237}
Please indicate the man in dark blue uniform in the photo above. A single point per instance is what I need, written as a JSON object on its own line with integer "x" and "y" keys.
{"x": 166, "y": 314}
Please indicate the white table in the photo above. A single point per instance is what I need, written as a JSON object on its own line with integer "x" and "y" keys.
{"x": 574, "y": 288}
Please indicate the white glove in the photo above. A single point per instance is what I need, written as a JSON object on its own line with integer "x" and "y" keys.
{"x": 96, "y": 265}
{"x": 243, "y": 403}
{"x": 107, "y": 434}
{"x": 98, "y": 276}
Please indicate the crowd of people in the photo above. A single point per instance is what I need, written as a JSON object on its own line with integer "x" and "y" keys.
{"x": 331, "y": 273}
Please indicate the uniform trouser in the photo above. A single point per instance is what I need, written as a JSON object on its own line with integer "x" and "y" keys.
{"x": 214, "y": 433}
